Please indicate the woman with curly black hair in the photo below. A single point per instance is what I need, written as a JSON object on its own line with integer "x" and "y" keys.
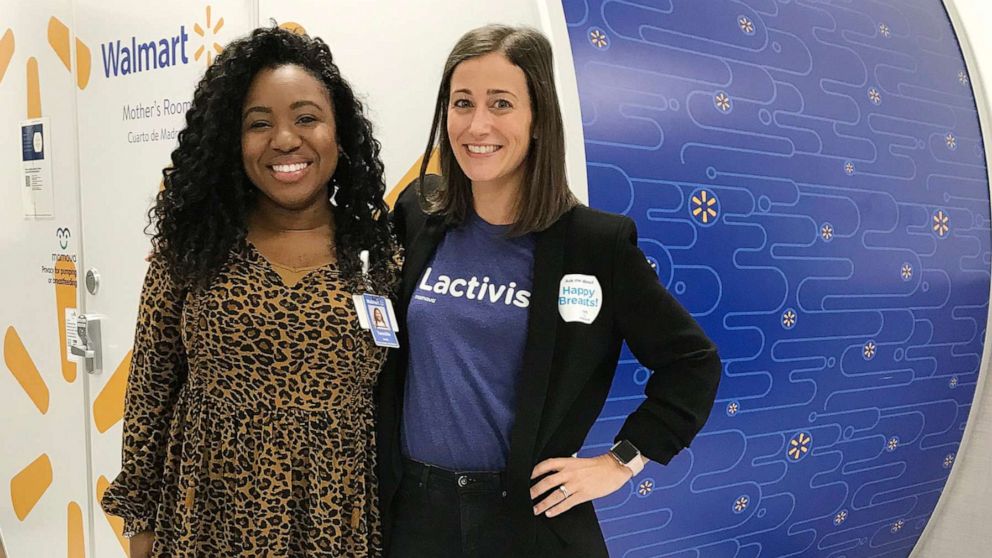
{"x": 249, "y": 407}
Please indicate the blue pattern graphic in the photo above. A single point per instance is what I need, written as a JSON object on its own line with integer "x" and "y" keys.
{"x": 808, "y": 177}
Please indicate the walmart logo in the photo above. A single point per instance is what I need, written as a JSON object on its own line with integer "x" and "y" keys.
{"x": 129, "y": 58}
{"x": 121, "y": 58}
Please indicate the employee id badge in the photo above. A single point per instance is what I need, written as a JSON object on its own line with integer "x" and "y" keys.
{"x": 375, "y": 313}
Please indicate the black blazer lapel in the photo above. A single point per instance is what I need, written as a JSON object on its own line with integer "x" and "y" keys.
{"x": 418, "y": 253}
{"x": 542, "y": 323}
{"x": 391, "y": 384}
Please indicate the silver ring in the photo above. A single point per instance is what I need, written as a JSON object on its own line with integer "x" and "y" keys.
{"x": 563, "y": 490}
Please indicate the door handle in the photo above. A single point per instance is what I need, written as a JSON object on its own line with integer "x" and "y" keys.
{"x": 80, "y": 351}
{"x": 90, "y": 342}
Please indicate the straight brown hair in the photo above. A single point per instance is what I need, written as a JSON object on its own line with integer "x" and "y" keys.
{"x": 544, "y": 193}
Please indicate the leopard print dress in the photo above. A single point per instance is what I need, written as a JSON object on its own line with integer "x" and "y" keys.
{"x": 248, "y": 425}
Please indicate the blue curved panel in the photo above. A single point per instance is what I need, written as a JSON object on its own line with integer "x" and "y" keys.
{"x": 810, "y": 179}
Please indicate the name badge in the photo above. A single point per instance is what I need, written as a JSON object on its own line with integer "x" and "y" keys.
{"x": 579, "y": 298}
{"x": 375, "y": 313}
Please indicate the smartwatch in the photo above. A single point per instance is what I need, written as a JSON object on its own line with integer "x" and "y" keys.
{"x": 627, "y": 455}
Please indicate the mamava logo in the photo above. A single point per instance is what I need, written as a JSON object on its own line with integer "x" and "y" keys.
{"x": 63, "y": 234}
{"x": 121, "y": 58}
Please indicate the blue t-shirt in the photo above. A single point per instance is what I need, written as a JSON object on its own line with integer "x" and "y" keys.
{"x": 467, "y": 326}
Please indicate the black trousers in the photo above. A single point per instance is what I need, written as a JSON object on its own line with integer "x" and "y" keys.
{"x": 440, "y": 513}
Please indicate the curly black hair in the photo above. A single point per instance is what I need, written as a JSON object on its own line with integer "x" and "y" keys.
{"x": 202, "y": 212}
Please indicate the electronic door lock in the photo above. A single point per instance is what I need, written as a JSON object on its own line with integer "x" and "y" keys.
{"x": 90, "y": 342}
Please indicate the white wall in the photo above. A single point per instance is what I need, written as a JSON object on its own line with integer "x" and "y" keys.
{"x": 43, "y": 489}
{"x": 959, "y": 525}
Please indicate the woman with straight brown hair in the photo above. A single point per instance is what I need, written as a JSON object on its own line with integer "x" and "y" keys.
{"x": 515, "y": 302}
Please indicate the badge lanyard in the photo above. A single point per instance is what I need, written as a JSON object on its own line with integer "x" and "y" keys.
{"x": 375, "y": 312}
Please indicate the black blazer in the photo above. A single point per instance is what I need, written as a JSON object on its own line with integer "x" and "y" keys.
{"x": 568, "y": 367}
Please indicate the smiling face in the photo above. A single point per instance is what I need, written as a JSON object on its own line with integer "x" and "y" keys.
{"x": 289, "y": 142}
{"x": 489, "y": 120}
